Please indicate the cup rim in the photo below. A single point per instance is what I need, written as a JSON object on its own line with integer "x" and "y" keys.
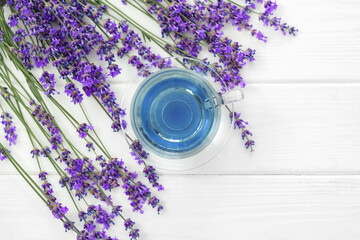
{"x": 141, "y": 91}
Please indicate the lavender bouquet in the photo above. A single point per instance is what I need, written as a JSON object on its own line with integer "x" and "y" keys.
{"x": 61, "y": 38}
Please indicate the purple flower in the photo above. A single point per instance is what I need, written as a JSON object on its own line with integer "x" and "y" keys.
{"x": 151, "y": 175}
{"x": 292, "y": 31}
{"x": 90, "y": 146}
{"x": 137, "y": 193}
{"x": 160, "y": 208}
{"x": 57, "y": 209}
{"x": 47, "y": 80}
{"x": 45, "y": 151}
{"x": 13, "y": 19}
{"x": 4, "y": 93}
{"x": 153, "y": 201}
{"x": 3, "y": 154}
{"x": 83, "y": 129}
{"x": 82, "y": 215}
{"x": 134, "y": 234}
{"x": 111, "y": 28}
{"x": 47, "y": 121}
{"x": 128, "y": 224}
{"x": 42, "y": 175}
{"x": 35, "y": 152}
{"x": 68, "y": 226}
{"x": 110, "y": 175}
{"x": 101, "y": 235}
{"x": 9, "y": 128}
{"x": 275, "y": 22}
{"x": 114, "y": 70}
{"x": 123, "y": 124}
{"x": 249, "y": 143}
{"x": 84, "y": 236}
{"x": 245, "y": 134}
{"x": 89, "y": 226}
{"x": 116, "y": 211}
{"x": 270, "y": 7}
{"x": 80, "y": 171}
{"x": 59, "y": 22}
{"x": 100, "y": 216}
{"x": 137, "y": 152}
{"x": 19, "y": 35}
{"x": 55, "y": 141}
{"x": 74, "y": 93}
{"x": 259, "y": 35}
{"x": 100, "y": 158}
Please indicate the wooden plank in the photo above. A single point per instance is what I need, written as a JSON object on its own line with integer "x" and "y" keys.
{"x": 298, "y": 129}
{"x": 326, "y": 49}
{"x": 213, "y": 207}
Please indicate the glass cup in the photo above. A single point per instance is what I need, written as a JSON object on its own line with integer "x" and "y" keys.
{"x": 177, "y": 113}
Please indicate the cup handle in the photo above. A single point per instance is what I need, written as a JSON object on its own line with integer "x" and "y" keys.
{"x": 226, "y": 98}
{"x": 232, "y": 96}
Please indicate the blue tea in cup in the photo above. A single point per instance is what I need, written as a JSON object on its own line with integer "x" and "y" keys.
{"x": 174, "y": 113}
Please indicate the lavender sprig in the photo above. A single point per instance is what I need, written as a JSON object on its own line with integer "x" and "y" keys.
{"x": 9, "y": 128}
{"x": 245, "y": 134}
{"x": 45, "y": 121}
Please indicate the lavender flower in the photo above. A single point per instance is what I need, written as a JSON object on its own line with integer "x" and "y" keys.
{"x": 90, "y": 146}
{"x": 68, "y": 226}
{"x": 128, "y": 224}
{"x": 42, "y": 175}
{"x": 74, "y": 93}
{"x": 153, "y": 202}
{"x": 275, "y": 22}
{"x": 100, "y": 216}
{"x": 70, "y": 56}
{"x": 151, "y": 175}
{"x": 241, "y": 124}
{"x": 134, "y": 234}
{"x": 116, "y": 211}
{"x": 45, "y": 151}
{"x": 137, "y": 194}
{"x": 259, "y": 35}
{"x": 89, "y": 226}
{"x": 270, "y": 7}
{"x": 160, "y": 208}
{"x": 47, "y": 121}
{"x": 19, "y": 35}
{"x": 83, "y": 129}
{"x": 9, "y": 128}
{"x": 4, "y": 92}
{"x": 2, "y": 154}
{"x": 114, "y": 70}
{"x": 57, "y": 209}
{"x": 13, "y": 19}
{"x": 35, "y": 152}
{"x": 115, "y": 170}
{"x": 137, "y": 152}
{"x": 48, "y": 82}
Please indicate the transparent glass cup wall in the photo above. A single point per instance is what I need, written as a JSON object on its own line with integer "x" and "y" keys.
{"x": 213, "y": 143}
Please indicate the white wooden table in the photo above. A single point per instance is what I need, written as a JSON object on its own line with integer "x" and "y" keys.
{"x": 302, "y": 182}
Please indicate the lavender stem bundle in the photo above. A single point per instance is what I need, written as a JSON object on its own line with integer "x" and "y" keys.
{"x": 80, "y": 174}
